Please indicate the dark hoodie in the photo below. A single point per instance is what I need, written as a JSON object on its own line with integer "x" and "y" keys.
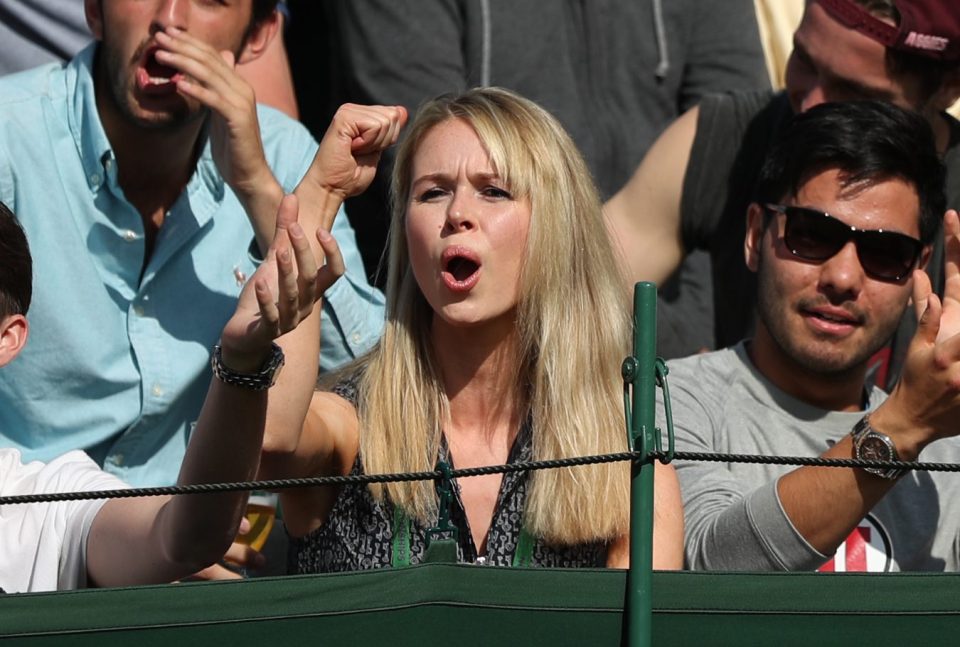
{"x": 614, "y": 72}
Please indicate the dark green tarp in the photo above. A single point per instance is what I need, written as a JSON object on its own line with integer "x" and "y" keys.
{"x": 469, "y": 605}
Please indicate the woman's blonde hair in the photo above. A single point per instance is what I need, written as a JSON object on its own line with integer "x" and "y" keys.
{"x": 573, "y": 330}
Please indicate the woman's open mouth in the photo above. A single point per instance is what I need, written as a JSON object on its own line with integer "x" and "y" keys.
{"x": 461, "y": 268}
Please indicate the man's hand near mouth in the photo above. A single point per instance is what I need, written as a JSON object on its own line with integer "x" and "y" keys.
{"x": 210, "y": 77}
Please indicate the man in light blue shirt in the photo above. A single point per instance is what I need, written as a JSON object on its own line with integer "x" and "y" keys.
{"x": 132, "y": 171}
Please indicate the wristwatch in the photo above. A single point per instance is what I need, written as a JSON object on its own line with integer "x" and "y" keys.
{"x": 870, "y": 444}
{"x": 259, "y": 381}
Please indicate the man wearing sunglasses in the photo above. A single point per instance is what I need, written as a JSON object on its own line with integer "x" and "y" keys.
{"x": 692, "y": 189}
{"x": 847, "y": 207}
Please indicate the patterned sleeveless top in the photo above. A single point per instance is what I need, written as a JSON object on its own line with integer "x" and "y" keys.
{"x": 358, "y": 534}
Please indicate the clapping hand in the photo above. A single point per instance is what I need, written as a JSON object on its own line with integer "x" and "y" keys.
{"x": 925, "y": 403}
{"x": 281, "y": 293}
{"x": 949, "y": 314}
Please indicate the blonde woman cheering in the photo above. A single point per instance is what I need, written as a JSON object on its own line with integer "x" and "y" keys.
{"x": 506, "y": 326}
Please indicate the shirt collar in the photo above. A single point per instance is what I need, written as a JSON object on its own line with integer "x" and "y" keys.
{"x": 84, "y": 120}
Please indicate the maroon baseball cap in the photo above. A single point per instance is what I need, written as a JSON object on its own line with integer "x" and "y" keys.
{"x": 927, "y": 27}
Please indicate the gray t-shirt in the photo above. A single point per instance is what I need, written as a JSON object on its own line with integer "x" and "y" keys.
{"x": 733, "y": 517}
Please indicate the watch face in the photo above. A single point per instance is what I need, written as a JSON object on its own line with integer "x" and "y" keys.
{"x": 875, "y": 449}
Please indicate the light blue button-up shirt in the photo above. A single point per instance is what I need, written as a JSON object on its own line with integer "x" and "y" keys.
{"x": 117, "y": 363}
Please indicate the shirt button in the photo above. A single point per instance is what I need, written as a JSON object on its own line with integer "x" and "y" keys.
{"x": 94, "y": 178}
{"x": 129, "y": 235}
{"x": 117, "y": 459}
{"x": 138, "y": 310}
{"x": 355, "y": 338}
{"x": 157, "y": 390}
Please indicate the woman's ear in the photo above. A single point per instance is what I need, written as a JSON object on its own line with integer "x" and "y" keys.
{"x": 13, "y": 335}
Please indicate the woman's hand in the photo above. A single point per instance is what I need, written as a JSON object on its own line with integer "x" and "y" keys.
{"x": 281, "y": 293}
{"x": 346, "y": 162}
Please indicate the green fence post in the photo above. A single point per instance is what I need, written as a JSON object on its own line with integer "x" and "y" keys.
{"x": 640, "y": 575}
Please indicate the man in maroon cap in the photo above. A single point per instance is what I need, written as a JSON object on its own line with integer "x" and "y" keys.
{"x": 693, "y": 188}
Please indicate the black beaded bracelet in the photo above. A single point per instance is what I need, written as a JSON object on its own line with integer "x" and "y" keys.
{"x": 259, "y": 381}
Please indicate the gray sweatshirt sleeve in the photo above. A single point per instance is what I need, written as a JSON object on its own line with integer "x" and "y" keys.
{"x": 733, "y": 517}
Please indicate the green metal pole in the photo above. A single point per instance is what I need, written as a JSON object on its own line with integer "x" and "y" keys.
{"x": 640, "y": 575}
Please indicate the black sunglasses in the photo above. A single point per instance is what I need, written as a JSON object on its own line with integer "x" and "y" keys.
{"x": 816, "y": 236}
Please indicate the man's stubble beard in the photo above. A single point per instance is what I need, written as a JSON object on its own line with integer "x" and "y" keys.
{"x": 121, "y": 84}
{"x": 839, "y": 360}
